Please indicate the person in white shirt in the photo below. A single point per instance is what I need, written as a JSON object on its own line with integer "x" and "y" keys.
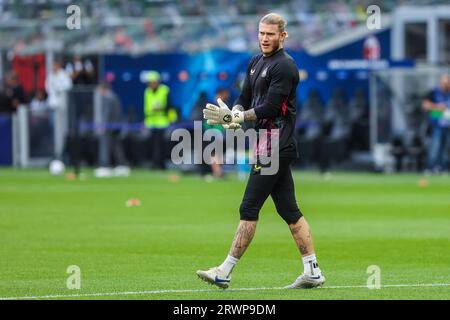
{"x": 58, "y": 82}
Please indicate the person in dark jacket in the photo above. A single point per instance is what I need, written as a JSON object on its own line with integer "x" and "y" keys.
{"x": 108, "y": 120}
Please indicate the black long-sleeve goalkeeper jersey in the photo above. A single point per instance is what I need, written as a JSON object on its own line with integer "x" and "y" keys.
{"x": 270, "y": 87}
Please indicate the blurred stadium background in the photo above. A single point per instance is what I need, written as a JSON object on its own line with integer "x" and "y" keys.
{"x": 359, "y": 99}
{"x": 359, "y": 111}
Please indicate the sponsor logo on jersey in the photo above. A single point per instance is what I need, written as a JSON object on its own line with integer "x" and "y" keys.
{"x": 264, "y": 73}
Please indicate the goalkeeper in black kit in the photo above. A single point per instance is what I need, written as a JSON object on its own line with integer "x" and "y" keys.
{"x": 268, "y": 98}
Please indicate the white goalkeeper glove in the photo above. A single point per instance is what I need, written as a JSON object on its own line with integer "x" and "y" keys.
{"x": 229, "y": 119}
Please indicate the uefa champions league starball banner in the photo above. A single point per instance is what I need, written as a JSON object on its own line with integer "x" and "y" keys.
{"x": 188, "y": 75}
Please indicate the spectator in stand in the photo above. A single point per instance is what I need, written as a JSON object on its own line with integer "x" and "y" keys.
{"x": 40, "y": 126}
{"x": 58, "y": 82}
{"x": 437, "y": 103}
{"x": 5, "y": 101}
{"x": 81, "y": 70}
{"x": 39, "y": 105}
{"x": 109, "y": 120}
{"x": 14, "y": 91}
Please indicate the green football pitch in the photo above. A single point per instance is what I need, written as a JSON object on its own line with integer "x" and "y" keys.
{"x": 153, "y": 250}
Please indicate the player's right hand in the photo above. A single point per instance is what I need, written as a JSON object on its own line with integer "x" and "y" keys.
{"x": 218, "y": 114}
{"x": 232, "y": 126}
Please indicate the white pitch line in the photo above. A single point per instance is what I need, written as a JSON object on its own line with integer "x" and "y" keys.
{"x": 99, "y": 294}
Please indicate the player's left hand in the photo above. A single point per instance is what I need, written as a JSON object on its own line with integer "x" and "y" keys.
{"x": 232, "y": 126}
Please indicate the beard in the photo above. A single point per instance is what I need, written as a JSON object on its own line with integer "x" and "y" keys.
{"x": 276, "y": 47}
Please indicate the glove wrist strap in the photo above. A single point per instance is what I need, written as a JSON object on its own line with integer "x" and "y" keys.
{"x": 237, "y": 116}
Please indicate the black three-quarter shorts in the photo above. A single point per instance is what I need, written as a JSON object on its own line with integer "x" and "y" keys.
{"x": 279, "y": 186}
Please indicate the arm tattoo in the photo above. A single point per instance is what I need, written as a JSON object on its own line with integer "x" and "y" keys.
{"x": 250, "y": 115}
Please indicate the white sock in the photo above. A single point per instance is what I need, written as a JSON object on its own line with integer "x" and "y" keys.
{"x": 310, "y": 265}
{"x": 228, "y": 265}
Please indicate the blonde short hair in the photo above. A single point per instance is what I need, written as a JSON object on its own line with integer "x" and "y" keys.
{"x": 273, "y": 18}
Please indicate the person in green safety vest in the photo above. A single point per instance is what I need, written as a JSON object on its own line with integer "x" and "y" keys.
{"x": 157, "y": 117}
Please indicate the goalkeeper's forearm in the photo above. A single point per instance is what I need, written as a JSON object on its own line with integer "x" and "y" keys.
{"x": 248, "y": 115}
{"x": 270, "y": 108}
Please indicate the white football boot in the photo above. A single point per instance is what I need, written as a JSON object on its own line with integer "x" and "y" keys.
{"x": 103, "y": 172}
{"x": 305, "y": 281}
{"x": 122, "y": 171}
{"x": 215, "y": 276}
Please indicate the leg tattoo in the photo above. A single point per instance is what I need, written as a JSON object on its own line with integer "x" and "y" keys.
{"x": 301, "y": 233}
{"x": 244, "y": 235}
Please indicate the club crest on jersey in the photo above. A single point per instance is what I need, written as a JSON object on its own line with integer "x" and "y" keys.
{"x": 263, "y": 74}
